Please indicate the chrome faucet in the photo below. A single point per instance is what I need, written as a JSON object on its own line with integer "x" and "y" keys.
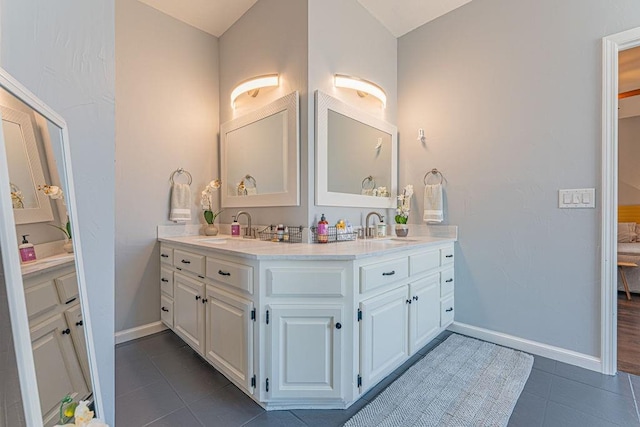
{"x": 248, "y": 233}
{"x": 369, "y": 232}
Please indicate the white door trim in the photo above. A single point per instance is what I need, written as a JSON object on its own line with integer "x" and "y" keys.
{"x": 611, "y": 45}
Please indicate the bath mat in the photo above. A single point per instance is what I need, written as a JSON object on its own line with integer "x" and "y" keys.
{"x": 462, "y": 382}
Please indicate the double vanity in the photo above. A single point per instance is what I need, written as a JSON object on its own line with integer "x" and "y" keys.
{"x": 306, "y": 325}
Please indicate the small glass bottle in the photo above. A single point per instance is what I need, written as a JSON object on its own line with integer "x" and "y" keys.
{"x": 285, "y": 236}
{"x": 280, "y": 232}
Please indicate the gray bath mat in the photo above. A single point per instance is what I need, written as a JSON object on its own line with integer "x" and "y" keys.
{"x": 462, "y": 382}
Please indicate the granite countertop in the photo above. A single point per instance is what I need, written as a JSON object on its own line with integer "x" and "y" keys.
{"x": 46, "y": 263}
{"x": 259, "y": 249}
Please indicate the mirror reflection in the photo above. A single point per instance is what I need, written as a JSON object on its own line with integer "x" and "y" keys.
{"x": 360, "y": 157}
{"x": 259, "y": 156}
{"x": 49, "y": 273}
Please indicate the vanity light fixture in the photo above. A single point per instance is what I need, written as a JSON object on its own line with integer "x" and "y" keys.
{"x": 361, "y": 86}
{"x": 253, "y": 86}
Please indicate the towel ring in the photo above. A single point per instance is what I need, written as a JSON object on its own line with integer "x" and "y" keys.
{"x": 250, "y": 179}
{"x": 435, "y": 172}
{"x": 181, "y": 171}
{"x": 370, "y": 180}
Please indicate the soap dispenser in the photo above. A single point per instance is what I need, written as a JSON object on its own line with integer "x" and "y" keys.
{"x": 235, "y": 227}
{"x": 382, "y": 229}
{"x": 27, "y": 251}
{"x": 323, "y": 231}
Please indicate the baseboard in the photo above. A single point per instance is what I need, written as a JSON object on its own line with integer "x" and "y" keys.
{"x": 139, "y": 332}
{"x": 556, "y": 353}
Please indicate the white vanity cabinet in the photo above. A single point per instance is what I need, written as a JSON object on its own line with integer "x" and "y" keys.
{"x": 305, "y": 331}
{"x": 57, "y": 337}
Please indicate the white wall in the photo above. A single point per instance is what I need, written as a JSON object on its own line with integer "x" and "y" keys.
{"x": 271, "y": 37}
{"x": 509, "y": 96}
{"x": 345, "y": 38}
{"x": 63, "y": 51}
{"x": 166, "y": 118}
{"x": 629, "y": 161}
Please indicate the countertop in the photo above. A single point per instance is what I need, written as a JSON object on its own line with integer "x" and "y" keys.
{"x": 265, "y": 250}
{"x": 46, "y": 263}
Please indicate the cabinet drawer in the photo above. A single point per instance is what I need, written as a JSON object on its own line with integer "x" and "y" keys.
{"x": 446, "y": 282}
{"x": 67, "y": 286}
{"x": 41, "y": 298}
{"x": 237, "y": 275}
{"x": 166, "y": 255}
{"x": 424, "y": 262}
{"x": 446, "y": 311}
{"x": 166, "y": 281}
{"x": 166, "y": 310}
{"x": 300, "y": 282}
{"x": 446, "y": 255}
{"x": 377, "y": 275}
{"x": 188, "y": 261}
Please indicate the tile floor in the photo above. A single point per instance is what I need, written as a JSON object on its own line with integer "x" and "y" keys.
{"x": 160, "y": 381}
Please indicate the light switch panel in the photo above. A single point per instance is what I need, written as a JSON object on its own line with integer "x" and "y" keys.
{"x": 577, "y": 198}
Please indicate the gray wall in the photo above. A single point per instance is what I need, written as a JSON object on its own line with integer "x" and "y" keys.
{"x": 63, "y": 51}
{"x": 271, "y": 37}
{"x": 629, "y": 161}
{"x": 509, "y": 96}
{"x": 167, "y": 117}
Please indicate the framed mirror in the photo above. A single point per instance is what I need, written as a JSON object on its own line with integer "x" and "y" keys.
{"x": 46, "y": 297}
{"x": 260, "y": 160}
{"x": 356, "y": 157}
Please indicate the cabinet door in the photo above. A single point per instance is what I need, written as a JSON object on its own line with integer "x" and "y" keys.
{"x": 305, "y": 357}
{"x": 57, "y": 368}
{"x": 424, "y": 311}
{"x": 383, "y": 335}
{"x": 188, "y": 311}
{"x": 76, "y": 325}
{"x": 229, "y": 340}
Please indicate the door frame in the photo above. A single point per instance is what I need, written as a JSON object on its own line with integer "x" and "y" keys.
{"x": 611, "y": 46}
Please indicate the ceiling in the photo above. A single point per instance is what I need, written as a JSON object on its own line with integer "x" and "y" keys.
{"x": 216, "y": 16}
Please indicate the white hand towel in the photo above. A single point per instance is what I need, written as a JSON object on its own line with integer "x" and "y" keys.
{"x": 433, "y": 206}
{"x": 252, "y": 191}
{"x": 180, "y": 203}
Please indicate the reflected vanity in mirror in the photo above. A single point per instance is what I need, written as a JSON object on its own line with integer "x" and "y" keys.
{"x": 46, "y": 298}
{"x": 259, "y": 154}
{"x": 356, "y": 156}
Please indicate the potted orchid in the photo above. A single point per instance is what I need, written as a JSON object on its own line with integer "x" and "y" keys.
{"x": 402, "y": 211}
{"x": 77, "y": 414}
{"x": 207, "y": 206}
{"x": 55, "y": 193}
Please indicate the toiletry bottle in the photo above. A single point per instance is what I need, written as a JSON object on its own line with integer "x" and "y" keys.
{"x": 235, "y": 227}
{"x": 323, "y": 230}
{"x": 280, "y": 232}
{"x": 285, "y": 237}
{"x": 382, "y": 228}
{"x": 27, "y": 251}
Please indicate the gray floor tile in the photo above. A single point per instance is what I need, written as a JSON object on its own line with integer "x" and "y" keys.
{"x": 180, "y": 418}
{"x": 444, "y": 335}
{"x": 195, "y": 383}
{"x": 539, "y": 383}
{"x": 129, "y": 352}
{"x": 146, "y": 404}
{"x": 275, "y": 419}
{"x": 162, "y": 342}
{"x": 182, "y": 360}
{"x": 409, "y": 363}
{"x": 427, "y": 348}
{"x": 133, "y": 374}
{"x": 328, "y": 418}
{"x": 529, "y": 411}
{"x": 594, "y": 401}
{"x": 558, "y": 415}
{"x": 616, "y": 383}
{"x": 375, "y": 391}
{"x": 226, "y": 407}
{"x": 544, "y": 364}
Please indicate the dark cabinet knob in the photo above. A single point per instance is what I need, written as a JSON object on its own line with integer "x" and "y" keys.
{"x": 164, "y": 280}
{"x": 448, "y": 256}
{"x": 224, "y": 273}
{"x": 198, "y": 297}
{"x": 66, "y": 331}
{"x": 390, "y": 273}
{"x": 164, "y": 255}
{"x": 408, "y": 301}
{"x": 338, "y": 325}
{"x": 165, "y": 309}
{"x": 449, "y": 309}
{"x": 415, "y": 297}
{"x": 204, "y": 300}
{"x": 80, "y": 323}
{"x": 184, "y": 261}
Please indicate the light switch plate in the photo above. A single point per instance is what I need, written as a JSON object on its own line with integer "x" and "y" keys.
{"x": 577, "y": 198}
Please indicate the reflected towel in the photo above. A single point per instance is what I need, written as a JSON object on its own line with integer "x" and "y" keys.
{"x": 180, "y": 203}
{"x": 253, "y": 191}
{"x": 433, "y": 206}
